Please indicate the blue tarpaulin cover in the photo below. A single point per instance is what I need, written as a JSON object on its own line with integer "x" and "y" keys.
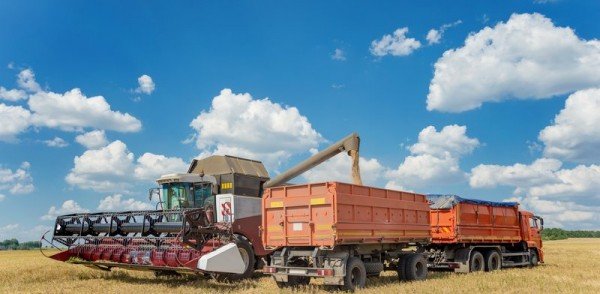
{"x": 440, "y": 201}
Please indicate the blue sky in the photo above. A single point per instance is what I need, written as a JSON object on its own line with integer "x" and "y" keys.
{"x": 497, "y": 94}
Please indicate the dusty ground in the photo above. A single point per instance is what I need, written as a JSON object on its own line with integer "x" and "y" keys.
{"x": 572, "y": 266}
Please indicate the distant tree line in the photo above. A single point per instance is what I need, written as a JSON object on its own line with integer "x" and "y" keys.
{"x": 560, "y": 234}
{"x": 13, "y": 244}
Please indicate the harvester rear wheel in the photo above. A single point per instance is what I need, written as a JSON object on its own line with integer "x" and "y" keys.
{"x": 416, "y": 267}
{"x": 493, "y": 261}
{"x": 247, "y": 254}
{"x": 476, "y": 263}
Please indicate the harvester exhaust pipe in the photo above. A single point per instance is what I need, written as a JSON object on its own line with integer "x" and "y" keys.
{"x": 350, "y": 144}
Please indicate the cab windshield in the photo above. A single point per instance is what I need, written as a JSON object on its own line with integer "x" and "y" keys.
{"x": 187, "y": 195}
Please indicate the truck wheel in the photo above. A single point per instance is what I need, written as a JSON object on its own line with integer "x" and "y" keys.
{"x": 247, "y": 254}
{"x": 476, "y": 263}
{"x": 402, "y": 267}
{"x": 533, "y": 258}
{"x": 492, "y": 260}
{"x": 356, "y": 275}
{"x": 416, "y": 267}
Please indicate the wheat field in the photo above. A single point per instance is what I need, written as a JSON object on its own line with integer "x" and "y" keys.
{"x": 572, "y": 266}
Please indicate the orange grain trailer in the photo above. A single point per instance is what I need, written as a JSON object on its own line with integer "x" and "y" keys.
{"x": 343, "y": 233}
{"x": 475, "y": 235}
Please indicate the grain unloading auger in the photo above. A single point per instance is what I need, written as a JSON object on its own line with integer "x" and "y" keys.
{"x": 208, "y": 222}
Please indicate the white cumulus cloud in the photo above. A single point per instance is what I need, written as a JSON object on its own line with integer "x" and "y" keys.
{"x": 116, "y": 203}
{"x": 146, "y": 85}
{"x": 73, "y": 111}
{"x": 338, "y": 54}
{"x": 93, "y": 139}
{"x": 68, "y": 207}
{"x": 104, "y": 169}
{"x": 57, "y": 142}
{"x": 434, "y": 158}
{"x": 238, "y": 124}
{"x": 19, "y": 181}
{"x": 12, "y": 95}
{"x": 13, "y": 121}
{"x": 396, "y": 44}
{"x": 338, "y": 168}
{"x": 26, "y": 80}
{"x": 113, "y": 168}
{"x": 526, "y": 57}
{"x": 434, "y": 36}
{"x": 575, "y": 135}
{"x": 151, "y": 166}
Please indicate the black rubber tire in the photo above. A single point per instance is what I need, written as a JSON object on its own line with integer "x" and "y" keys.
{"x": 534, "y": 259}
{"x": 402, "y": 267}
{"x": 476, "y": 262}
{"x": 356, "y": 274}
{"x": 493, "y": 260}
{"x": 295, "y": 281}
{"x": 416, "y": 267}
{"x": 242, "y": 244}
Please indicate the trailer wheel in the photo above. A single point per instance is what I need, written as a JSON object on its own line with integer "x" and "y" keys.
{"x": 533, "y": 258}
{"x": 402, "y": 267}
{"x": 416, "y": 267}
{"x": 476, "y": 264}
{"x": 492, "y": 261}
{"x": 247, "y": 254}
{"x": 356, "y": 274}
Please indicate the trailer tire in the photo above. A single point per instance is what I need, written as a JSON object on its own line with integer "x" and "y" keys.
{"x": 402, "y": 267}
{"x": 247, "y": 253}
{"x": 493, "y": 261}
{"x": 356, "y": 274}
{"x": 476, "y": 262}
{"x": 533, "y": 258}
{"x": 416, "y": 267}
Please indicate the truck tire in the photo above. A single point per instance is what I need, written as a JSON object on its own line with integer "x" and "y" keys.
{"x": 493, "y": 261}
{"x": 402, "y": 268}
{"x": 356, "y": 274}
{"x": 476, "y": 262}
{"x": 416, "y": 267}
{"x": 247, "y": 253}
{"x": 533, "y": 258}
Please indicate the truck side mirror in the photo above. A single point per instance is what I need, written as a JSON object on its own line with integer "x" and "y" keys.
{"x": 152, "y": 192}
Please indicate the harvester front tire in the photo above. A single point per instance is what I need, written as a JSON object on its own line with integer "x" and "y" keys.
{"x": 493, "y": 261}
{"x": 247, "y": 253}
{"x": 476, "y": 263}
{"x": 356, "y": 274}
{"x": 416, "y": 267}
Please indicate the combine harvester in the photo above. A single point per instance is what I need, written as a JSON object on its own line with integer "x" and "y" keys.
{"x": 208, "y": 222}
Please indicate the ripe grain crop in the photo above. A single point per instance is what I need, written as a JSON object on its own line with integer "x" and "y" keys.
{"x": 572, "y": 266}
